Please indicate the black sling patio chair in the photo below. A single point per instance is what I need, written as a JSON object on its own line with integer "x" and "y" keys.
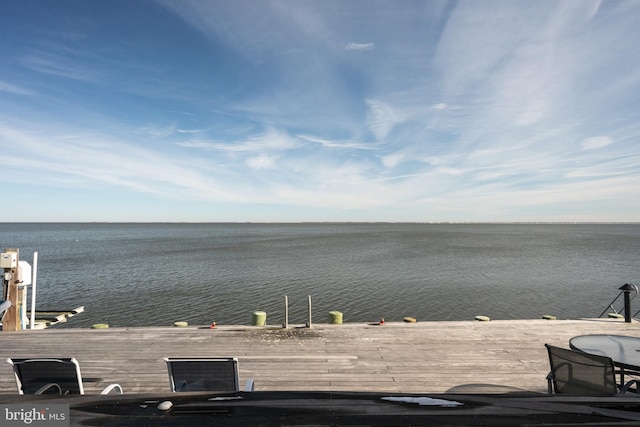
{"x": 578, "y": 373}
{"x": 51, "y": 376}
{"x": 205, "y": 374}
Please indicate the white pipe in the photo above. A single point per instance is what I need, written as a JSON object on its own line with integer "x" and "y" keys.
{"x": 34, "y": 275}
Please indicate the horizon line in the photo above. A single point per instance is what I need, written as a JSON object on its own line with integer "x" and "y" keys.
{"x": 331, "y": 222}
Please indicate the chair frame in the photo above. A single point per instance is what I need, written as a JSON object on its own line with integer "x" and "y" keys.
{"x": 601, "y": 364}
{"x": 213, "y": 360}
{"x": 18, "y": 364}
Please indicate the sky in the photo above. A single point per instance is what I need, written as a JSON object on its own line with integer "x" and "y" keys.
{"x": 332, "y": 110}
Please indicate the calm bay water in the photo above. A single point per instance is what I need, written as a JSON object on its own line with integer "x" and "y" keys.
{"x": 155, "y": 274}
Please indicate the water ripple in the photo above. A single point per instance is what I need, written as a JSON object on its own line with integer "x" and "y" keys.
{"x": 155, "y": 274}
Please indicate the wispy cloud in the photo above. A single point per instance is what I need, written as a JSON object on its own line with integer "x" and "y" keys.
{"x": 159, "y": 132}
{"x": 271, "y": 140}
{"x": 261, "y": 161}
{"x": 414, "y": 111}
{"x": 359, "y": 46}
{"x": 86, "y": 158}
{"x": 14, "y": 89}
{"x": 381, "y": 118}
{"x": 345, "y": 145}
{"x": 56, "y": 65}
{"x": 596, "y": 142}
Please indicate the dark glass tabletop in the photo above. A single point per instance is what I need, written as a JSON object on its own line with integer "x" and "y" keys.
{"x": 623, "y": 350}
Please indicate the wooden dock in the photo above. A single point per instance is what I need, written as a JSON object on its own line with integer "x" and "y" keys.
{"x": 433, "y": 357}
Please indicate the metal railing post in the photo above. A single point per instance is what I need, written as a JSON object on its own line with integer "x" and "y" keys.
{"x": 627, "y": 288}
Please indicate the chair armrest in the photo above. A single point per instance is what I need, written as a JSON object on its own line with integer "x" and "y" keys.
{"x": 4, "y": 305}
{"x": 627, "y": 386}
{"x": 249, "y": 385}
{"x": 550, "y": 383}
{"x": 112, "y": 387}
{"x": 48, "y": 387}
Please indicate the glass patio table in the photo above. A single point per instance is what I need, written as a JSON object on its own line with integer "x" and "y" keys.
{"x": 623, "y": 350}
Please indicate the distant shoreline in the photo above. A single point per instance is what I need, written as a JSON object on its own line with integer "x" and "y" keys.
{"x": 332, "y": 222}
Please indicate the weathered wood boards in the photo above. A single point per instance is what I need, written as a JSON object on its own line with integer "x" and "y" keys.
{"x": 435, "y": 357}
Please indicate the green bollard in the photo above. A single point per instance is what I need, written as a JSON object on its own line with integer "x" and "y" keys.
{"x": 258, "y": 318}
{"x": 335, "y": 318}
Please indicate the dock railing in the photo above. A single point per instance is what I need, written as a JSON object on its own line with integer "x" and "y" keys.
{"x": 625, "y": 292}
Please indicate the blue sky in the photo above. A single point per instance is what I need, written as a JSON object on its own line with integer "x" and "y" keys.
{"x": 325, "y": 110}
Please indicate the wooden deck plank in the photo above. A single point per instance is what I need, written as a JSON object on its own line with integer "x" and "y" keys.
{"x": 400, "y": 357}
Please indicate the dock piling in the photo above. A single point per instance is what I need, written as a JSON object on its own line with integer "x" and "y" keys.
{"x": 9, "y": 263}
{"x": 286, "y": 312}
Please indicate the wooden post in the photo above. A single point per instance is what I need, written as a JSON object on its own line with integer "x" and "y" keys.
{"x": 286, "y": 312}
{"x": 11, "y": 318}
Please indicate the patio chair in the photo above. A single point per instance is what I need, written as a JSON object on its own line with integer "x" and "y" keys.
{"x": 205, "y": 374}
{"x": 51, "y": 376}
{"x": 578, "y": 373}
{"x": 4, "y": 305}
